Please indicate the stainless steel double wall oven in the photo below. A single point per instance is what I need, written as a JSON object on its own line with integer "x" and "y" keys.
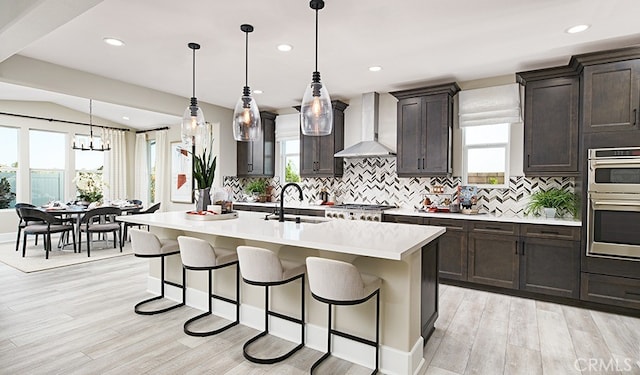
{"x": 613, "y": 207}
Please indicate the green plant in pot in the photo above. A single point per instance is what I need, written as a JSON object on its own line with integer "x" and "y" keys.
{"x": 257, "y": 187}
{"x": 204, "y": 170}
{"x": 552, "y": 202}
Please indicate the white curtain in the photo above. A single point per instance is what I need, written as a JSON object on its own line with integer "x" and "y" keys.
{"x": 116, "y": 164}
{"x": 491, "y": 105}
{"x": 163, "y": 163}
{"x": 141, "y": 178}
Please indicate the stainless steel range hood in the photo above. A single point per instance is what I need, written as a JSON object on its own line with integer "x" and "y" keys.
{"x": 369, "y": 146}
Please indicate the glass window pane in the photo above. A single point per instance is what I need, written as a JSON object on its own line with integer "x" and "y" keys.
{"x": 88, "y": 160}
{"x": 486, "y": 159}
{"x": 151, "y": 160}
{"x": 9, "y": 149}
{"x": 46, "y": 186}
{"x": 292, "y": 147}
{"x": 46, "y": 150}
{"x": 484, "y": 134}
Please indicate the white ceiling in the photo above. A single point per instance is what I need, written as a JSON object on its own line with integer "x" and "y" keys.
{"x": 416, "y": 42}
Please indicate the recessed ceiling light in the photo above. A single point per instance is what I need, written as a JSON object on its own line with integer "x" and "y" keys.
{"x": 284, "y": 47}
{"x": 577, "y": 29}
{"x": 257, "y": 91}
{"x": 113, "y": 42}
{"x": 125, "y": 118}
{"x": 375, "y": 68}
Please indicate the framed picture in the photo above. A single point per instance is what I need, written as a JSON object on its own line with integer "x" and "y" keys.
{"x": 181, "y": 174}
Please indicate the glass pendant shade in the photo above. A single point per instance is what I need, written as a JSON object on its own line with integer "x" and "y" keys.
{"x": 246, "y": 120}
{"x": 192, "y": 120}
{"x": 316, "y": 111}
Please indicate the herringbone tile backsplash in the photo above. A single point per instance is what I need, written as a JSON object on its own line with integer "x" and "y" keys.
{"x": 374, "y": 180}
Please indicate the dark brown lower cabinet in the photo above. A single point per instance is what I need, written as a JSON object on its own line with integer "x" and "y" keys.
{"x": 429, "y": 289}
{"x": 452, "y": 248}
{"x": 550, "y": 266}
{"x": 493, "y": 259}
{"x": 610, "y": 290}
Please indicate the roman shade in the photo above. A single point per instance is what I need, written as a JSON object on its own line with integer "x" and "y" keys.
{"x": 288, "y": 128}
{"x": 490, "y": 105}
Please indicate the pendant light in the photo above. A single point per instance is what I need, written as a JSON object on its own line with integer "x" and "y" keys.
{"x": 316, "y": 112}
{"x": 246, "y": 116}
{"x": 193, "y": 117}
{"x": 90, "y": 146}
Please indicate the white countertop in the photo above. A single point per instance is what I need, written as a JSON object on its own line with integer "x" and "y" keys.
{"x": 379, "y": 240}
{"x": 487, "y": 217}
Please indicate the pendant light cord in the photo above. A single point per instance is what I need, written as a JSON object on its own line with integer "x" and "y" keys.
{"x": 194, "y": 73}
{"x": 91, "y": 119}
{"x": 316, "y": 40}
{"x": 246, "y": 59}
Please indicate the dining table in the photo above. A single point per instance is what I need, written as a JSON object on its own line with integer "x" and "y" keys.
{"x": 79, "y": 210}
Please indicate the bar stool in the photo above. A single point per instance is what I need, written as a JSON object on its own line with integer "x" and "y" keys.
{"x": 199, "y": 255}
{"x": 263, "y": 267}
{"x": 340, "y": 283}
{"x": 148, "y": 245}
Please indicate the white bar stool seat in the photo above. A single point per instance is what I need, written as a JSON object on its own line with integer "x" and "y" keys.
{"x": 262, "y": 267}
{"x": 340, "y": 283}
{"x": 148, "y": 245}
{"x": 199, "y": 255}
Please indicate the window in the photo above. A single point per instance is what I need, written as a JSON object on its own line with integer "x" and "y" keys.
{"x": 47, "y": 166}
{"x": 291, "y": 160}
{"x": 486, "y": 155}
{"x": 8, "y": 166}
{"x": 151, "y": 160}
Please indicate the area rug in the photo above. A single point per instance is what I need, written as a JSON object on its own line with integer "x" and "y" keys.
{"x": 35, "y": 261}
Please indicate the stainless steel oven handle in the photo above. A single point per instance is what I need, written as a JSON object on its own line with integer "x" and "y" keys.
{"x": 617, "y": 203}
{"x": 598, "y": 162}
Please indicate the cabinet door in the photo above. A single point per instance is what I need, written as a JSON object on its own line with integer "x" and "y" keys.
{"x": 308, "y": 155}
{"x": 325, "y": 163}
{"x": 269, "y": 143}
{"x": 244, "y": 159}
{"x": 453, "y": 249}
{"x": 493, "y": 260}
{"x": 551, "y": 127}
{"x": 550, "y": 267}
{"x": 612, "y": 290}
{"x": 436, "y": 135}
{"x": 610, "y": 96}
{"x": 410, "y": 159}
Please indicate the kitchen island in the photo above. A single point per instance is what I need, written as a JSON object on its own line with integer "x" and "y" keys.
{"x": 404, "y": 256}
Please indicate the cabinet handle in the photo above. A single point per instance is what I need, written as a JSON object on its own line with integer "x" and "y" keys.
{"x": 528, "y": 160}
{"x": 418, "y": 163}
{"x": 516, "y": 247}
{"x": 549, "y": 232}
{"x": 422, "y": 163}
{"x": 635, "y": 112}
{"x": 632, "y": 295}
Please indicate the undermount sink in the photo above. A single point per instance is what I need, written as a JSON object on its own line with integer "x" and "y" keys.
{"x": 298, "y": 219}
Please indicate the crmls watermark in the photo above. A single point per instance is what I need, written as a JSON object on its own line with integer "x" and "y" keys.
{"x": 600, "y": 364}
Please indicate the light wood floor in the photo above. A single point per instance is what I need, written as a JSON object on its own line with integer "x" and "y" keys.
{"x": 80, "y": 320}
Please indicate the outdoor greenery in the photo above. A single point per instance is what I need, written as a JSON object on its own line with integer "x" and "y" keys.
{"x": 6, "y": 195}
{"x": 563, "y": 201}
{"x": 290, "y": 175}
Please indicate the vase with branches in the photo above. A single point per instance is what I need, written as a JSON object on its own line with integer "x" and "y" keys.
{"x": 204, "y": 170}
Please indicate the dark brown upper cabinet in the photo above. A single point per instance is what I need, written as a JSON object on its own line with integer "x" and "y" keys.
{"x": 316, "y": 153}
{"x": 425, "y": 123}
{"x": 257, "y": 158}
{"x": 551, "y": 121}
{"x": 610, "y": 90}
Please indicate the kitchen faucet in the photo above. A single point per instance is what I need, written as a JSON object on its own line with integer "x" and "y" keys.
{"x": 284, "y": 188}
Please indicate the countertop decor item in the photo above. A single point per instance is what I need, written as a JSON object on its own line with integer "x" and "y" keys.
{"x": 89, "y": 185}
{"x": 193, "y": 118}
{"x": 316, "y": 111}
{"x": 246, "y": 116}
{"x": 562, "y": 201}
{"x": 204, "y": 170}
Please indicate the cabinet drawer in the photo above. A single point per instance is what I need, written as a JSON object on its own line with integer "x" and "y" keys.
{"x": 403, "y": 219}
{"x": 495, "y": 227}
{"x": 612, "y": 290}
{"x": 451, "y": 224}
{"x": 550, "y": 231}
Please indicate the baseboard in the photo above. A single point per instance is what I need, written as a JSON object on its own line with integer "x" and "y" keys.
{"x": 392, "y": 361}
{"x": 8, "y": 237}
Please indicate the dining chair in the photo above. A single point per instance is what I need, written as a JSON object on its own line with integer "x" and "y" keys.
{"x": 23, "y": 223}
{"x": 101, "y": 220}
{"x": 41, "y": 222}
{"x": 125, "y": 230}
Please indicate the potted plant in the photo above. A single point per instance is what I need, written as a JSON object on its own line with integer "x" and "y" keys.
{"x": 552, "y": 201}
{"x": 258, "y": 188}
{"x": 204, "y": 169}
{"x": 6, "y": 195}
